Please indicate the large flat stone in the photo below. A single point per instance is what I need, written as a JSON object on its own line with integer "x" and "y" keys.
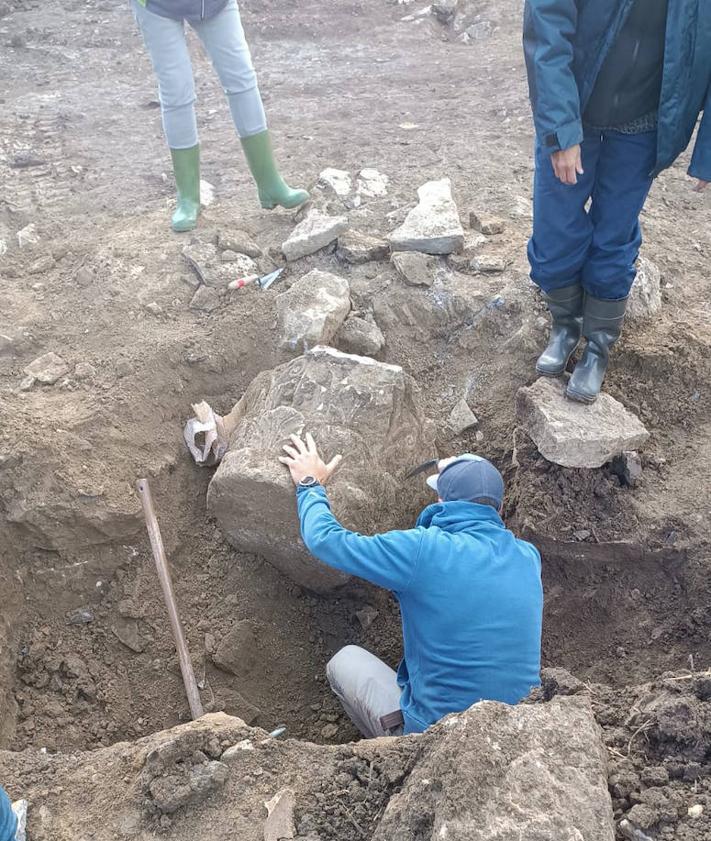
{"x": 353, "y": 405}
{"x": 317, "y": 231}
{"x": 573, "y": 434}
{"x": 433, "y": 226}
{"x": 312, "y": 311}
{"x": 499, "y": 773}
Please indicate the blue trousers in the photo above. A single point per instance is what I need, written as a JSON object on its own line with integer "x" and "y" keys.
{"x": 598, "y": 243}
{"x": 225, "y": 42}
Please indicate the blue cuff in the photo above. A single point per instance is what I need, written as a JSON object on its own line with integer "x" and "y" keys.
{"x": 564, "y": 137}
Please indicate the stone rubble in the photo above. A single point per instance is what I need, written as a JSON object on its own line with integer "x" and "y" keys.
{"x": 645, "y": 299}
{"x": 358, "y": 248}
{"x": 360, "y": 336}
{"x": 209, "y": 265}
{"x": 206, "y": 299}
{"x": 488, "y": 264}
{"x": 317, "y": 231}
{"x": 337, "y": 180}
{"x": 312, "y": 310}
{"x": 462, "y": 418}
{"x": 573, "y": 434}
{"x": 47, "y": 369}
{"x": 415, "y": 268}
{"x": 372, "y": 184}
{"x": 433, "y": 226}
{"x": 240, "y": 242}
{"x": 485, "y": 224}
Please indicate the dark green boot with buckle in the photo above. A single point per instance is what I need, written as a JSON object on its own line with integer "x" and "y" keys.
{"x": 186, "y": 166}
{"x": 602, "y": 325}
{"x": 566, "y": 309}
{"x": 273, "y": 190}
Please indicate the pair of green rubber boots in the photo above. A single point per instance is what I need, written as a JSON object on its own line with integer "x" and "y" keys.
{"x": 576, "y": 315}
{"x": 273, "y": 190}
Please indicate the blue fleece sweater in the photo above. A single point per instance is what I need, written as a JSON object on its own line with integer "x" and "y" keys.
{"x": 8, "y": 824}
{"x": 470, "y": 596}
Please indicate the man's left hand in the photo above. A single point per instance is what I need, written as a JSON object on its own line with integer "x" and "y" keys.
{"x": 303, "y": 460}
{"x": 700, "y": 186}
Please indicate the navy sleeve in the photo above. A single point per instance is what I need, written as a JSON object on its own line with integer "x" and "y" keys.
{"x": 388, "y": 560}
{"x": 549, "y": 30}
{"x": 701, "y": 159}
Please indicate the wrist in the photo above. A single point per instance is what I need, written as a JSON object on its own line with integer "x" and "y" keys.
{"x": 309, "y": 481}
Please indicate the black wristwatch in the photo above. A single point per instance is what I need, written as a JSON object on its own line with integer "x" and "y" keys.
{"x": 309, "y": 482}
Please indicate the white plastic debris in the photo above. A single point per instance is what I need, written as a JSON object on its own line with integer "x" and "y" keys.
{"x": 205, "y": 436}
{"x": 20, "y": 810}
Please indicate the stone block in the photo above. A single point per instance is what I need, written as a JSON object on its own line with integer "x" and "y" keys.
{"x": 433, "y": 226}
{"x": 573, "y": 434}
{"x": 312, "y": 311}
{"x": 317, "y": 231}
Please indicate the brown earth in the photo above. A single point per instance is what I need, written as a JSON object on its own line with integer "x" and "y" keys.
{"x": 348, "y": 85}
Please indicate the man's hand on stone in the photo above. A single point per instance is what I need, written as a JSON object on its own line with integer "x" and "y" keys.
{"x": 568, "y": 164}
{"x": 303, "y": 460}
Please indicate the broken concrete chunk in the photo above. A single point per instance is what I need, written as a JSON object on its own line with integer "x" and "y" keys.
{"x": 488, "y": 264}
{"x": 372, "y": 184}
{"x": 350, "y": 404}
{"x": 337, "y": 180}
{"x": 240, "y": 242}
{"x": 47, "y": 369}
{"x": 527, "y": 771}
{"x": 356, "y": 248}
{"x": 462, "y": 418}
{"x": 280, "y": 816}
{"x": 433, "y": 226}
{"x": 645, "y": 299}
{"x": 317, "y": 231}
{"x": 486, "y": 224}
{"x": 573, "y": 434}
{"x": 415, "y": 268}
{"x": 360, "y": 336}
{"x": 312, "y": 311}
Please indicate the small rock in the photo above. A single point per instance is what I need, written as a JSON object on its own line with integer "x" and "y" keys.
{"x": 628, "y": 466}
{"x": 126, "y": 632}
{"x": 360, "y": 336}
{"x": 312, "y": 311}
{"x": 44, "y": 264}
{"x": 574, "y": 434}
{"x": 480, "y": 30}
{"x": 48, "y": 368}
{"x": 643, "y": 816}
{"x": 238, "y": 652}
{"x": 695, "y": 811}
{"x": 655, "y": 775}
{"x": 337, "y": 180}
{"x": 28, "y": 236}
{"x": 488, "y": 225}
{"x": 236, "y": 752}
{"x": 433, "y": 226}
{"x": 645, "y": 299}
{"x": 317, "y": 231}
{"x": 366, "y": 616}
{"x": 582, "y": 534}
{"x": 84, "y": 371}
{"x": 414, "y": 267}
{"x": 280, "y": 816}
{"x": 462, "y": 418}
{"x": 207, "y": 193}
{"x": 84, "y": 277}
{"x": 239, "y": 242}
{"x": 83, "y": 616}
{"x": 559, "y": 682}
{"x": 154, "y": 309}
{"x": 444, "y": 10}
{"x": 27, "y": 383}
{"x": 123, "y": 368}
{"x": 372, "y": 184}
{"x": 330, "y": 731}
{"x": 488, "y": 264}
{"x": 357, "y": 248}
{"x": 206, "y": 299}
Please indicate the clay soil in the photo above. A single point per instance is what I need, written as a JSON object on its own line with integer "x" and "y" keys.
{"x": 86, "y": 656}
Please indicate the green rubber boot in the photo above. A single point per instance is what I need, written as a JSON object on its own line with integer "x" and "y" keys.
{"x": 273, "y": 190}
{"x": 186, "y": 166}
{"x": 602, "y": 326}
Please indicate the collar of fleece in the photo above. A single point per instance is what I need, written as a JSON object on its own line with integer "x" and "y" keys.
{"x": 459, "y": 516}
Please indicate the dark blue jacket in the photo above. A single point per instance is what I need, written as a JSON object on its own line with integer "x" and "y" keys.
{"x": 470, "y": 597}
{"x": 192, "y": 10}
{"x": 565, "y": 44}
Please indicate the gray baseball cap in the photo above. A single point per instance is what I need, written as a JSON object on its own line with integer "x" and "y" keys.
{"x": 469, "y": 478}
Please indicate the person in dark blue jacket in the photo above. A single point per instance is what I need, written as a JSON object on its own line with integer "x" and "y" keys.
{"x": 470, "y": 596}
{"x": 617, "y": 87}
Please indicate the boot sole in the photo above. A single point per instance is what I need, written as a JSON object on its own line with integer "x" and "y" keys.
{"x": 576, "y": 397}
{"x": 551, "y": 373}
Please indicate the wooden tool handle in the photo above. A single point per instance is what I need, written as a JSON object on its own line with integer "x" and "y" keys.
{"x": 186, "y": 666}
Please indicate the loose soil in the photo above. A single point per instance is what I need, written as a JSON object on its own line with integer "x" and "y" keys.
{"x": 86, "y": 657}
